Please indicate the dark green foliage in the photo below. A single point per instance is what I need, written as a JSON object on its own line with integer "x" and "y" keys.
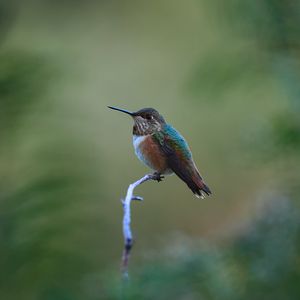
{"x": 286, "y": 132}
{"x": 224, "y": 73}
{"x": 262, "y": 263}
{"x": 24, "y": 78}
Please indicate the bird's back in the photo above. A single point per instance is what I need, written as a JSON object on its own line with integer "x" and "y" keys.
{"x": 179, "y": 159}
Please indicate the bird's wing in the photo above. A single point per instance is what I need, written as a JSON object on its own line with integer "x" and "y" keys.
{"x": 179, "y": 159}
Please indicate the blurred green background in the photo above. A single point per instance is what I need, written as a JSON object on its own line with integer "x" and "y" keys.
{"x": 225, "y": 73}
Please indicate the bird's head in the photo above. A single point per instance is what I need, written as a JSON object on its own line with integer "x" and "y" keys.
{"x": 146, "y": 120}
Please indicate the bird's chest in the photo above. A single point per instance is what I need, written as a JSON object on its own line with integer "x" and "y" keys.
{"x": 148, "y": 151}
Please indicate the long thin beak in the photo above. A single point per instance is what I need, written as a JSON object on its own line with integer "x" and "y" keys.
{"x": 122, "y": 110}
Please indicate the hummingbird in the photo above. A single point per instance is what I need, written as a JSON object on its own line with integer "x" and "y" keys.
{"x": 162, "y": 148}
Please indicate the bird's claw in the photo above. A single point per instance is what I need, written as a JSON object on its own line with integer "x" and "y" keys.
{"x": 158, "y": 177}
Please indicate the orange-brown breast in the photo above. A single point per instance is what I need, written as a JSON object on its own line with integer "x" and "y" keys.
{"x": 153, "y": 156}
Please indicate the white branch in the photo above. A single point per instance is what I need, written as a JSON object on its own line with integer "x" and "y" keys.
{"x": 128, "y": 240}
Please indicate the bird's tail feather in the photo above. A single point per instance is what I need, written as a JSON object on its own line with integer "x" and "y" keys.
{"x": 198, "y": 187}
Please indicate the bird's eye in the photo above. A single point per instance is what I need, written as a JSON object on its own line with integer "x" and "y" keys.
{"x": 148, "y": 117}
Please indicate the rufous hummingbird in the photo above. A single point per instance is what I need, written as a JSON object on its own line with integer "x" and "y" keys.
{"x": 162, "y": 148}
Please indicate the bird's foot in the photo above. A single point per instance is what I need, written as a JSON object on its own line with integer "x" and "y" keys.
{"x": 157, "y": 176}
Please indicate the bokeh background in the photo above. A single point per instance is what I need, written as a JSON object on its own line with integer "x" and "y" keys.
{"x": 225, "y": 73}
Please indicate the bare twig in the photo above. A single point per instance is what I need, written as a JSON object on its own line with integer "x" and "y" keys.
{"x": 128, "y": 240}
